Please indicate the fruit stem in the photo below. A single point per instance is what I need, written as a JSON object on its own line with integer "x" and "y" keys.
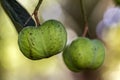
{"x": 85, "y": 30}
{"x": 84, "y": 18}
{"x": 35, "y": 13}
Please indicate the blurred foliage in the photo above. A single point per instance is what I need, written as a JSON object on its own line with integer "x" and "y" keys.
{"x": 74, "y": 9}
{"x": 117, "y": 2}
{"x": 97, "y": 15}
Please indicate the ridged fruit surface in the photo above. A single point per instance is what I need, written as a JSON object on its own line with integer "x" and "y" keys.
{"x": 42, "y": 41}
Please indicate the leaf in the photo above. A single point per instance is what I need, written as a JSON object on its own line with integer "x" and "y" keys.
{"x": 17, "y": 14}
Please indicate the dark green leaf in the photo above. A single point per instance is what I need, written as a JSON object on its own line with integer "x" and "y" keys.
{"x": 17, "y": 14}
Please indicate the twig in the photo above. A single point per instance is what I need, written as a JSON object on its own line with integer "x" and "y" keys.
{"x": 35, "y": 13}
{"x": 85, "y": 30}
{"x": 85, "y": 19}
{"x": 36, "y": 18}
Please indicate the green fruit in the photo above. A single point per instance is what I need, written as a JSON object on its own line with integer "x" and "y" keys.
{"x": 42, "y": 41}
{"x": 83, "y": 54}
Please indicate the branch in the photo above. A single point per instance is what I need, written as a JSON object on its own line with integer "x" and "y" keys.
{"x": 85, "y": 19}
{"x": 85, "y": 30}
{"x": 35, "y": 13}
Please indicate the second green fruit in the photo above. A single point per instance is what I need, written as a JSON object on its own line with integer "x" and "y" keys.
{"x": 84, "y": 53}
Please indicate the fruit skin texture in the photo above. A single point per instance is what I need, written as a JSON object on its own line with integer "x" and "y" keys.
{"x": 43, "y": 41}
{"x": 83, "y": 54}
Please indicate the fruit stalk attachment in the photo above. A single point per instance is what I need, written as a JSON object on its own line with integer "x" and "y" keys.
{"x": 35, "y": 13}
{"x": 84, "y": 18}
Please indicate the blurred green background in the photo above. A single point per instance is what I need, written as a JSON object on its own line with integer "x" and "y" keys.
{"x": 14, "y": 66}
